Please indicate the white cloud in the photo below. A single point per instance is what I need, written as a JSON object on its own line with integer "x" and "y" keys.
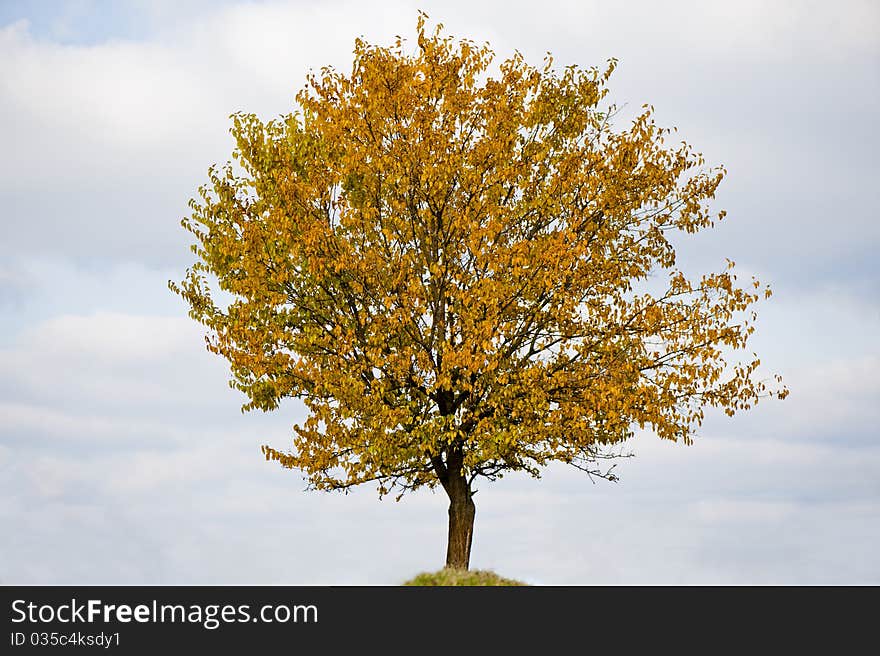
{"x": 110, "y": 140}
{"x": 107, "y": 362}
{"x": 119, "y": 426}
{"x": 733, "y": 511}
{"x": 117, "y": 337}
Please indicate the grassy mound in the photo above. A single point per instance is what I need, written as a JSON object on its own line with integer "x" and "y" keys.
{"x": 448, "y": 576}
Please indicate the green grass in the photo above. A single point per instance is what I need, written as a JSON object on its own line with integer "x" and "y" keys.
{"x": 448, "y": 576}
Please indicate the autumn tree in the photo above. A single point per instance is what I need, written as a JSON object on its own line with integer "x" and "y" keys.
{"x": 463, "y": 270}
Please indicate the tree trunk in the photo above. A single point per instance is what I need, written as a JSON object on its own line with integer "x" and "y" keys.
{"x": 461, "y": 523}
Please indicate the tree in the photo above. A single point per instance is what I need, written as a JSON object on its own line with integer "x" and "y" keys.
{"x": 456, "y": 268}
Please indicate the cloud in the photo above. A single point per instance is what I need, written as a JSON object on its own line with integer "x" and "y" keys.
{"x": 111, "y": 139}
{"x": 140, "y": 488}
{"x": 137, "y": 495}
{"x": 13, "y": 287}
{"x": 732, "y": 510}
{"x": 104, "y": 361}
{"x": 120, "y": 338}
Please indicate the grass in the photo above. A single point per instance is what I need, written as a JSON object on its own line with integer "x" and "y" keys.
{"x": 447, "y": 576}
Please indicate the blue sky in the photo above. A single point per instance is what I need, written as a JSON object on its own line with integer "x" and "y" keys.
{"x": 123, "y": 455}
{"x": 80, "y": 23}
{"x": 92, "y": 22}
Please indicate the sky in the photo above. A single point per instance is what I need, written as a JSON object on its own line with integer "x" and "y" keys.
{"x": 124, "y": 457}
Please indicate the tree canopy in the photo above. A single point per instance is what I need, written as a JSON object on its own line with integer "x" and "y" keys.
{"x": 464, "y": 269}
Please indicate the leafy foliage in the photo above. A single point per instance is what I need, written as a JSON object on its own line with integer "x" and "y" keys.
{"x": 456, "y": 577}
{"x": 449, "y": 263}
